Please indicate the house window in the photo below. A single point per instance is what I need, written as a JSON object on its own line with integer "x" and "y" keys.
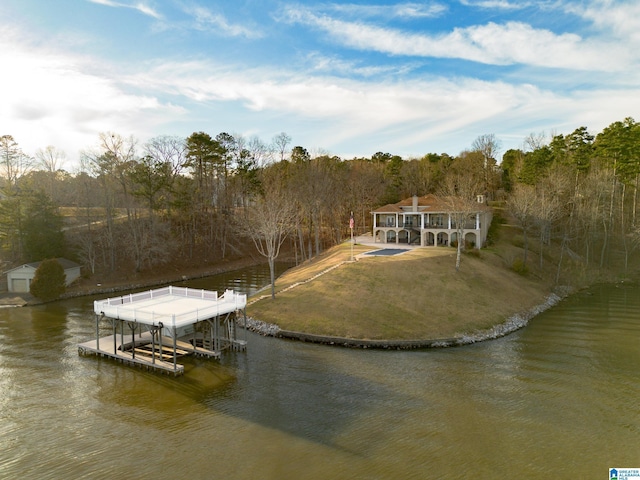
{"x": 470, "y": 224}
{"x": 388, "y": 220}
{"x": 411, "y": 221}
{"x": 438, "y": 220}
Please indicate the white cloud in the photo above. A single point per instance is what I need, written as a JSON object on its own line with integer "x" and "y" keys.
{"x": 316, "y": 62}
{"x": 401, "y": 10}
{"x": 620, "y": 19}
{"x": 207, "y": 20}
{"x": 495, "y": 44}
{"x": 52, "y": 98}
{"x": 140, "y": 7}
{"x": 303, "y": 95}
{"x": 408, "y": 117}
{"x": 496, "y": 4}
{"x": 64, "y": 100}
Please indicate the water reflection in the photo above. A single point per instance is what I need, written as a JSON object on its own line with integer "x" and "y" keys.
{"x": 290, "y": 387}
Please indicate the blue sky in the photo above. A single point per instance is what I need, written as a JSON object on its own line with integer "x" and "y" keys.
{"x": 343, "y": 78}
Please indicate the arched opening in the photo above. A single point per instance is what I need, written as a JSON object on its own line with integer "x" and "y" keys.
{"x": 431, "y": 239}
{"x": 443, "y": 239}
{"x": 470, "y": 240}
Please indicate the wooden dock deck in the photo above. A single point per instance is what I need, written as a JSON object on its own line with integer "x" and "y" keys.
{"x": 146, "y": 361}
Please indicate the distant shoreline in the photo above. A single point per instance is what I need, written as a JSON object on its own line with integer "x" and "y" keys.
{"x": 76, "y": 291}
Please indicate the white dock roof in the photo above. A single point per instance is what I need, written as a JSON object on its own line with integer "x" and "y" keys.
{"x": 171, "y": 306}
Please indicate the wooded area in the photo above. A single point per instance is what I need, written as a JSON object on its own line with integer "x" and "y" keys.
{"x": 203, "y": 198}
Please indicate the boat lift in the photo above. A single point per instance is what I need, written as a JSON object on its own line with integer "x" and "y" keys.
{"x": 154, "y": 328}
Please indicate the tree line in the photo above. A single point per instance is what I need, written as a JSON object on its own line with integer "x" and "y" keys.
{"x": 580, "y": 190}
{"x": 205, "y": 198}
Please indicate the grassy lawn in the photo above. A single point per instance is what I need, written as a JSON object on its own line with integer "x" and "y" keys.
{"x": 415, "y": 295}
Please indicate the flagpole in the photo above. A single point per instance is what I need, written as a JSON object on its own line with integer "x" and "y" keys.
{"x": 351, "y": 228}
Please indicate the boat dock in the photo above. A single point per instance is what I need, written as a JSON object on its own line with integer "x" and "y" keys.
{"x": 154, "y": 329}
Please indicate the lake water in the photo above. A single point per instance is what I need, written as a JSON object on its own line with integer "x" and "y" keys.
{"x": 558, "y": 399}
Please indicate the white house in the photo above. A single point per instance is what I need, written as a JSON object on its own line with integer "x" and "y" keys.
{"x": 430, "y": 221}
{"x": 19, "y": 279}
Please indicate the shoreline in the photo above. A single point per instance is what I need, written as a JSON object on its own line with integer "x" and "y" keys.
{"x": 513, "y": 323}
{"x": 85, "y": 291}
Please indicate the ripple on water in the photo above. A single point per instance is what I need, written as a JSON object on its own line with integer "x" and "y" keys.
{"x": 558, "y": 397}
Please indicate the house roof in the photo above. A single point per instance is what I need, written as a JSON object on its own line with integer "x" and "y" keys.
{"x": 66, "y": 264}
{"x": 428, "y": 203}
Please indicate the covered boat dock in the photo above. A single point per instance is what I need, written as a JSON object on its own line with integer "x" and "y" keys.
{"x": 153, "y": 329}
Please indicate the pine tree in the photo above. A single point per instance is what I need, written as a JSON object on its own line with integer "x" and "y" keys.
{"x": 49, "y": 281}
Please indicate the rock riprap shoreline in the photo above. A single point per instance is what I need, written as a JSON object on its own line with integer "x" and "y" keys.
{"x": 513, "y": 323}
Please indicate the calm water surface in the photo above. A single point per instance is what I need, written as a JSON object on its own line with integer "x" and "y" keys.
{"x": 558, "y": 399}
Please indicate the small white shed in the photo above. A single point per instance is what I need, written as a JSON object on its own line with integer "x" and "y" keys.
{"x": 19, "y": 278}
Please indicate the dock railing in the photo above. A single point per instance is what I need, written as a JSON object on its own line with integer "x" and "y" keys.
{"x": 124, "y": 306}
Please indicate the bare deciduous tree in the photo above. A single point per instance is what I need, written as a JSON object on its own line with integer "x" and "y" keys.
{"x": 51, "y": 161}
{"x": 553, "y": 193}
{"x": 50, "y": 158}
{"x": 259, "y": 151}
{"x": 270, "y": 219}
{"x": 489, "y": 147}
{"x": 521, "y": 204}
{"x": 535, "y": 141}
{"x": 459, "y": 191}
{"x": 280, "y": 144}
{"x": 364, "y": 186}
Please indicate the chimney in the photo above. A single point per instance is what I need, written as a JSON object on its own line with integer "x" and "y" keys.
{"x": 415, "y": 203}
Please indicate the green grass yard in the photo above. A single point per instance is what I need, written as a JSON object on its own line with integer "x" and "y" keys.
{"x": 414, "y": 296}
